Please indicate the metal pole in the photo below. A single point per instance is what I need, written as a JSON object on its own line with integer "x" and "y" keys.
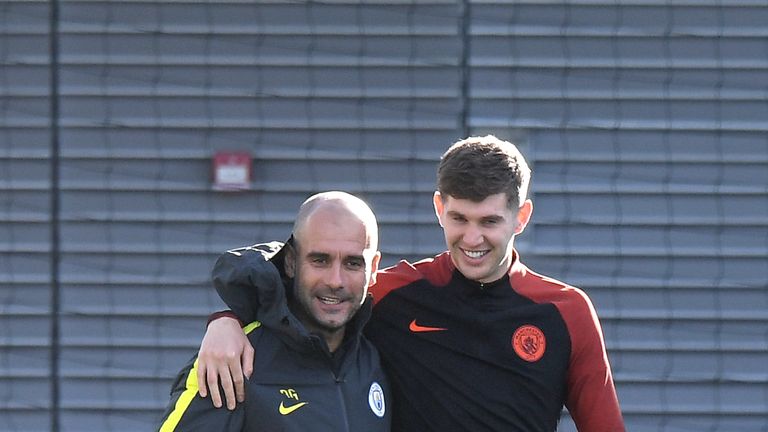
{"x": 53, "y": 40}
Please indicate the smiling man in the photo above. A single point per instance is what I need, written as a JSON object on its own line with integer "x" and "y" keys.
{"x": 314, "y": 370}
{"x": 472, "y": 339}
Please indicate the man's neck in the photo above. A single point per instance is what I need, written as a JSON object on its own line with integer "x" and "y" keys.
{"x": 334, "y": 340}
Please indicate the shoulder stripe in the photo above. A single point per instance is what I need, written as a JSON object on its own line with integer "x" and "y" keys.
{"x": 437, "y": 271}
{"x": 190, "y": 391}
{"x": 182, "y": 403}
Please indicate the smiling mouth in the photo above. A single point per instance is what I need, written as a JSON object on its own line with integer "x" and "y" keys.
{"x": 475, "y": 254}
{"x": 330, "y": 300}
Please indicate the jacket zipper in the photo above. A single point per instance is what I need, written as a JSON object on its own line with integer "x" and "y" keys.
{"x": 339, "y": 383}
{"x": 342, "y": 403}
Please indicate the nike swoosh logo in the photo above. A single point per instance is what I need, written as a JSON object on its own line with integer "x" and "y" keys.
{"x": 420, "y": 329}
{"x": 285, "y": 410}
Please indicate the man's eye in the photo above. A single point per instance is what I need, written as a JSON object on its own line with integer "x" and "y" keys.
{"x": 354, "y": 264}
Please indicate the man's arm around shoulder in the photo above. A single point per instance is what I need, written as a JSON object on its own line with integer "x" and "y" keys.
{"x": 188, "y": 412}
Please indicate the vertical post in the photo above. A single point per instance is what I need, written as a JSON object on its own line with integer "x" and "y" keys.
{"x": 55, "y": 251}
{"x": 464, "y": 65}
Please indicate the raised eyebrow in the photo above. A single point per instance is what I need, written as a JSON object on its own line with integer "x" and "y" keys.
{"x": 323, "y": 255}
{"x": 355, "y": 258}
{"x": 493, "y": 218}
{"x": 316, "y": 255}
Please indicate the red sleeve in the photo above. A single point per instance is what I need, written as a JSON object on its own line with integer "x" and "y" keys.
{"x": 393, "y": 277}
{"x": 223, "y": 313}
{"x": 591, "y": 396}
{"x": 437, "y": 270}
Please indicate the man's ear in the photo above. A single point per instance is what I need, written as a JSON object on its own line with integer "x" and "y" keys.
{"x": 437, "y": 200}
{"x": 290, "y": 261}
{"x": 524, "y": 216}
{"x": 374, "y": 268}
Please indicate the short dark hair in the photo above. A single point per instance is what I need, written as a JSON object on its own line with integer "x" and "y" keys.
{"x": 478, "y": 167}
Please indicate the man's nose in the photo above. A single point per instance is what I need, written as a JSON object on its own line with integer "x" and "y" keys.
{"x": 335, "y": 279}
{"x": 473, "y": 236}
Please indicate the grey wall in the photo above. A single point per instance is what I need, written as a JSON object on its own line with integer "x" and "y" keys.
{"x": 644, "y": 122}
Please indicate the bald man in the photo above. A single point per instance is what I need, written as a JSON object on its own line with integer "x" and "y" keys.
{"x": 315, "y": 370}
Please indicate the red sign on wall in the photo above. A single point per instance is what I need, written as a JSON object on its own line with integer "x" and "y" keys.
{"x": 232, "y": 171}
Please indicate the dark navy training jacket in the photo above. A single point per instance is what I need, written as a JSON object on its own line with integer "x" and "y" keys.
{"x": 297, "y": 384}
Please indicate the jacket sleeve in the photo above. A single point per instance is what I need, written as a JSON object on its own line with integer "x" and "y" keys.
{"x": 245, "y": 278}
{"x": 188, "y": 412}
{"x": 591, "y": 399}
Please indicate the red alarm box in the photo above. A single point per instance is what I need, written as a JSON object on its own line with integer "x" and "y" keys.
{"x": 232, "y": 171}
